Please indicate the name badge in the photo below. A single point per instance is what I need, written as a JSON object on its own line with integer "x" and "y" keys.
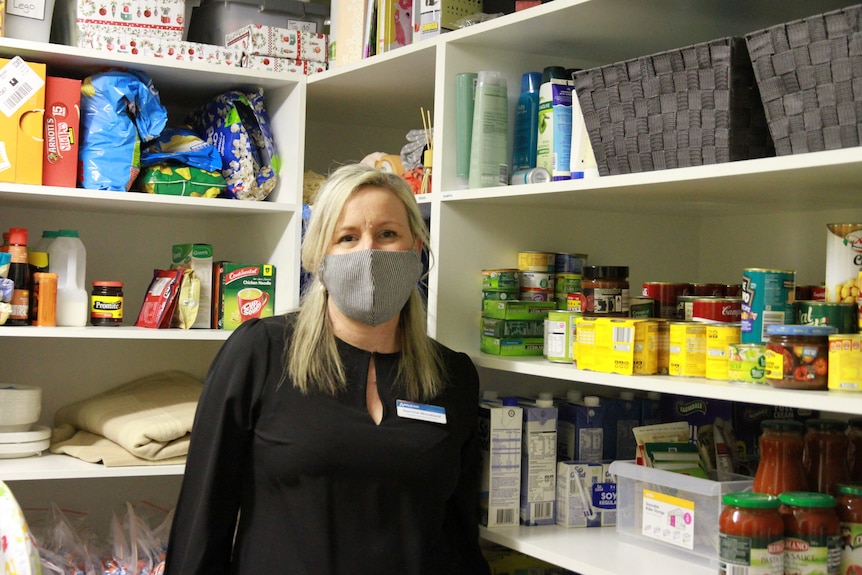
{"x": 420, "y": 411}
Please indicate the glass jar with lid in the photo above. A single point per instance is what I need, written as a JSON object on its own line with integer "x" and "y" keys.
{"x": 854, "y": 449}
{"x": 605, "y": 291}
{"x": 781, "y": 448}
{"x": 849, "y": 509}
{"x": 751, "y": 534}
{"x": 825, "y": 454}
{"x": 812, "y": 533}
{"x": 797, "y": 356}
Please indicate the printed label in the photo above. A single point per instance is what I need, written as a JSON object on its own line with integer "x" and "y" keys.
{"x": 669, "y": 519}
{"x": 750, "y": 556}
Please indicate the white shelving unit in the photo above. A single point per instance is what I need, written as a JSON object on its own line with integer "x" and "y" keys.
{"x": 693, "y": 224}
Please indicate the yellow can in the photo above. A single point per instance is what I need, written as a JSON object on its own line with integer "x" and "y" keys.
{"x": 719, "y": 337}
{"x": 536, "y": 261}
{"x": 687, "y": 349}
{"x": 845, "y": 362}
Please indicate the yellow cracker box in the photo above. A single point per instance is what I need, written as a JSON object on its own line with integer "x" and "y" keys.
{"x": 22, "y": 104}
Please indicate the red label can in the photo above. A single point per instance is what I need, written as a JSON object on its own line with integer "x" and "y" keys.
{"x": 721, "y": 309}
{"x": 708, "y": 290}
{"x": 665, "y": 295}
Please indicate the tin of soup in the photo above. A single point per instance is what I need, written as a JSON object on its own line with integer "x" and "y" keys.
{"x": 724, "y": 309}
{"x": 641, "y": 307}
{"x": 687, "y": 349}
{"x": 767, "y": 299}
{"x": 842, "y": 315}
{"x": 567, "y": 282}
{"x": 719, "y": 337}
{"x": 665, "y": 295}
{"x": 536, "y": 261}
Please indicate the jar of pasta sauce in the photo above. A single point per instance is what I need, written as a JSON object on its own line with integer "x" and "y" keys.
{"x": 825, "y": 455}
{"x": 751, "y": 535}
{"x": 797, "y": 356}
{"x": 605, "y": 291}
{"x": 849, "y": 509}
{"x": 812, "y": 533}
{"x": 854, "y": 449}
{"x": 781, "y": 448}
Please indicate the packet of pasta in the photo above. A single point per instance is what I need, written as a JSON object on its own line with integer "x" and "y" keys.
{"x": 188, "y": 301}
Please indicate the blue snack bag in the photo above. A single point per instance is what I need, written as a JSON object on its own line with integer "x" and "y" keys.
{"x": 119, "y": 109}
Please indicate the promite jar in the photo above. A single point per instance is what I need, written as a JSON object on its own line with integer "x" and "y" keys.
{"x": 106, "y": 303}
{"x": 751, "y": 534}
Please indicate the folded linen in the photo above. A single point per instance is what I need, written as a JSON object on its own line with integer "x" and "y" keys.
{"x": 150, "y": 418}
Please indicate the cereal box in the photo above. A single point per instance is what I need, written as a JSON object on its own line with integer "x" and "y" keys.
{"x": 245, "y": 291}
{"x": 62, "y": 120}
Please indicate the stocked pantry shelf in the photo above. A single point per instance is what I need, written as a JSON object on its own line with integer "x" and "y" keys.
{"x": 114, "y": 333}
{"x": 814, "y": 181}
{"x": 833, "y": 401}
{"x": 591, "y": 551}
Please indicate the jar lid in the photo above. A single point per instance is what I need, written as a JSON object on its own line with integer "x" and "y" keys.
{"x": 617, "y": 272}
{"x": 104, "y": 283}
{"x": 809, "y": 330}
{"x": 824, "y": 424}
{"x": 751, "y": 500}
{"x": 849, "y": 489}
{"x": 782, "y": 425}
{"x": 806, "y": 499}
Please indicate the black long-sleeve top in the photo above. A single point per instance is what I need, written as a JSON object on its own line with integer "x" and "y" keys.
{"x": 318, "y": 488}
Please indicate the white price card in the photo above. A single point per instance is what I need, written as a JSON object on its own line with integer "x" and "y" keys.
{"x": 17, "y": 83}
{"x": 34, "y": 9}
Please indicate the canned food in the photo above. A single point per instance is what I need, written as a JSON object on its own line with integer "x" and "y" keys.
{"x": 724, "y": 309}
{"x": 560, "y": 335}
{"x": 843, "y": 316}
{"x": 536, "y": 261}
{"x": 797, "y": 356}
{"x": 746, "y": 362}
{"x": 707, "y": 290}
{"x": 574, "y": 302}
{"x": 845, "y": 362}
{"x": 684, "y": 305}
{"x": 719, "y": 337}
{"x": 567, "y": 282}
{"x": 666, "y": 296}
{"x": 767, "y": 299}
{"x": 505, "y": 279}
{"x": 843, "y": 261}
{"x": 536, "y": 294}
{"x": 569, "y": 263}
{"x": 687, "y": 349}
{"x": 641, "y": 307}
{"x": 500, "y": 295}
{"x": 605, "y": 290}
{"x": 537, "y": 280}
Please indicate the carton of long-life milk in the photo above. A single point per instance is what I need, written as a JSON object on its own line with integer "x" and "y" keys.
{"x": 538, "y": 462}
{"x": 500, "y": 438}
{"x": 586, "y": 494}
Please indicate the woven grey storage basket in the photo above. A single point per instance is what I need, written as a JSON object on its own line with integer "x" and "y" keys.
{"x": 686, "y": 107}
{"x": 810, "y": 76}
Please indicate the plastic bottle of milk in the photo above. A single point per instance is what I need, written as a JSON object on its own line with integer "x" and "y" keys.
{"x": 67, "y": 258}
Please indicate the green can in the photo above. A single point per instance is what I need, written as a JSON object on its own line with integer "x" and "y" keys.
{"x": 566, "y": 283}
{"x": 641, "y": 307}
{"x": 501, "y": 280}
{"x": 842, "y": 315}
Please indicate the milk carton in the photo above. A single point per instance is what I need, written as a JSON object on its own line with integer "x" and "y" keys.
{"x": 586, "y": 494}
{"x": 500, "y": 437}
{"x": 580, "y": 431}
{"x": 538, "y": 461}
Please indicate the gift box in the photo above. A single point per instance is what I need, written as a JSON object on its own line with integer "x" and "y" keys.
{"x": 276, "y": 64}
{"x": 281, "y": 42}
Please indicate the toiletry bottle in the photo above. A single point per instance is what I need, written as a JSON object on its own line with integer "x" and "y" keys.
{"x": 489, "y": 149}
{"x": 526, "y": 123}
{"x": 465, "y": 95}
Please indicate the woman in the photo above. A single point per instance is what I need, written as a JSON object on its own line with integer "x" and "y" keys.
{"x": 339, "y": 440}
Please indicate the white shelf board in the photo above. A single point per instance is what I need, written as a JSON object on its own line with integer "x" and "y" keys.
{"x": 590, "y": 551}
{"x": 834, "y": 401}
{"x": 130, "y": 332}
{"x": 50, "y": 466}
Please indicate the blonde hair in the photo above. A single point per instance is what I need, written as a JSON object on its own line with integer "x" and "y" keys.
{"x": 312, "y": 361}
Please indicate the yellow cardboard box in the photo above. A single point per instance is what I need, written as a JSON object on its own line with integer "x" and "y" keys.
{"x": 22, "y": 106}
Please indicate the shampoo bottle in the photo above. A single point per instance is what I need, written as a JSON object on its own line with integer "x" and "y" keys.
{"x": 526, "y": 123}
{"x": 465, "y": 95}
{"x": 555, "y": 123}
{"x": 489, "y": 149}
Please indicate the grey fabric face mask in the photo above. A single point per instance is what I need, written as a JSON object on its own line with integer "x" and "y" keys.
{"x": 371, "y": 286}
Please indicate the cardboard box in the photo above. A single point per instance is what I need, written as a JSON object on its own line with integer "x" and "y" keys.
{"x": 538, "y": 464}
{"x": 495, "y": 327}
{"x": 22, "y": 104}
{"x": 276, "y": 64}
{"x": 162, "y": 18}
{"x": 61, "y": 123}
{"x": 280, "y": 42}
{"x": 517, "y": 309}
{"x": 245, "y": 291}
{"x": 500, "y": 486}
{"x": 512, "y": 346}
{"x": 199, "y": 258}
{"x": 671, "y": 512}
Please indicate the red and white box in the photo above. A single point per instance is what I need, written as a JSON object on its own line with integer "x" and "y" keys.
{"x": 280, "y": 42}
{"x": 163, "y": 18}
{"x": 61, "y": 123}
{"x": 275, "y": 64}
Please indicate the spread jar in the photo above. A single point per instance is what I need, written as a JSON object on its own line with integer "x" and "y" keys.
{"x": 605, "y": 291}
{"x": 797, "y": 356}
